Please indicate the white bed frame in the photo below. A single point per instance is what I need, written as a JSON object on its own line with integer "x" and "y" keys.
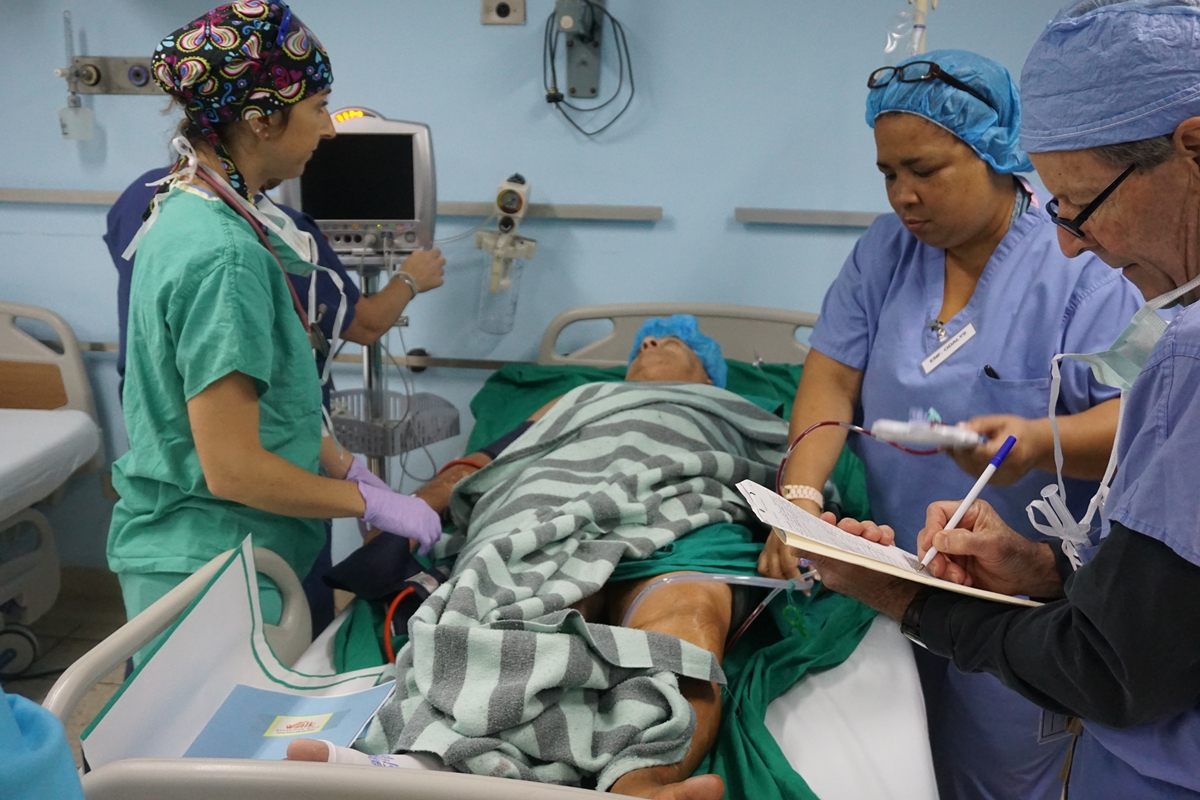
{"x": 744, "y": 333}
{"x": 34, "y": 375}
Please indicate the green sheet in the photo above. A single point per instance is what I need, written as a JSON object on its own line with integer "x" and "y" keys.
{"x": 810, "y": 634}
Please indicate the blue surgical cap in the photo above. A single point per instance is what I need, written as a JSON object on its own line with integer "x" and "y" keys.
{"x": 990, "y": 132}
{"x": 1111, "y": 72}
{"x": 685, "y": 328}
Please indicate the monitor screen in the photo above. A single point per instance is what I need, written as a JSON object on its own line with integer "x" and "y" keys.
{"x": 359, "y": 176}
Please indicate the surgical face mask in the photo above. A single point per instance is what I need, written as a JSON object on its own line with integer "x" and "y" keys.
{"x": 1118, "y": 367}
{"x": 285, "y": 228}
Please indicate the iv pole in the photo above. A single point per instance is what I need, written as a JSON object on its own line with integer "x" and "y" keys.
{"x": 920, "y": 14}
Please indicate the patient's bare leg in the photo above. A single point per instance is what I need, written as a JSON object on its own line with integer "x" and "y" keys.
{"x": 697, "y": 613}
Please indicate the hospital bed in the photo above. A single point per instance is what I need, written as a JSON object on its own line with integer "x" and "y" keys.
{"x": 856, "y": 730}
{"x": 48, "y": 433}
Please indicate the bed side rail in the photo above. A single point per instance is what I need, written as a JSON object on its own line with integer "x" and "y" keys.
{"x": 242, "y": 779}
{"x": 289, "y": 639}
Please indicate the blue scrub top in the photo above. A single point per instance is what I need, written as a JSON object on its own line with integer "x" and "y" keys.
{"x": 125, "y": 218}
{"x": 1031, "y": 303}
{"x": 35, "y": 759}
{"x": 1156, "y": 492}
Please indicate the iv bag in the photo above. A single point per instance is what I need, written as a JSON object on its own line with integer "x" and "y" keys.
{"x": 902, "y": 33}
{"x": 498, "y": 300}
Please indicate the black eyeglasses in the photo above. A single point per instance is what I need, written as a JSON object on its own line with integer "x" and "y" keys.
{"x": 1074, "y": 226}
{"x": 918, "y": 71}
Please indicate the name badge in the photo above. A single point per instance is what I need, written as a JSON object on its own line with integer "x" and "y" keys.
{"x": 949, "y": 348}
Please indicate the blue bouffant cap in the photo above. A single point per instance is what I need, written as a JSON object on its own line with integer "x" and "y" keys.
{"x": 991, "y": 131}
{"x": 1107, "y": 72}
{"x": 685, "y": 328}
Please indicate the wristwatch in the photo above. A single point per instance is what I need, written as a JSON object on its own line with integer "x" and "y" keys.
{"x": 910, "y": 623}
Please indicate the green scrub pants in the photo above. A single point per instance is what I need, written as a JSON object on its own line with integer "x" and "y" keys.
{"x": 141, "y": 589}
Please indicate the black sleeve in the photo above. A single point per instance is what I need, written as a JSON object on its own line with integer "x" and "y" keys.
{"x": 1122, "y": 648}
{"x": 497, "y": 447}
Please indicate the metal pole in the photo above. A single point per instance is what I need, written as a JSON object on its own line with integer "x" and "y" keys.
{"x": 373, "y": 373}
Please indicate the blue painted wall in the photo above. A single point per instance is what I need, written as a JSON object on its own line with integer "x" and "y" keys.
{"x": 753, "y": 103}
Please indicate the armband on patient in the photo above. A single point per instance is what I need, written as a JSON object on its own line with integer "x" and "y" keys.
{"x": 497, "y": 447}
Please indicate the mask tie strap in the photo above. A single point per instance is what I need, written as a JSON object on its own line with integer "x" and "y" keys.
{"x": 1055, "y": 388}
{"x": 184, "y": 174}
{"x": 1101, "y": 497}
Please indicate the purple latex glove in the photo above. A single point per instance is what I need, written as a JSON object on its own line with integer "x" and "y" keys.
{"x": 402, "y": 515}
{"x": 359, "y": 473}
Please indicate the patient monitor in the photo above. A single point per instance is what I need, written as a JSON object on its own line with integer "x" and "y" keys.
{"x": 371, "y": 189}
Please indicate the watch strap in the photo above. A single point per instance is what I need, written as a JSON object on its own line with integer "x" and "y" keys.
{"x": 910, "y": 623}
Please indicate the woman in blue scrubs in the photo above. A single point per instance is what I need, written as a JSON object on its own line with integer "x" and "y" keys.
{"x": 957, "y": 302}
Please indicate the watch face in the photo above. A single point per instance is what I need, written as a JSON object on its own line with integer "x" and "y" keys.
{"x": 509, "y": 201}
{"x": 912, "y": 637}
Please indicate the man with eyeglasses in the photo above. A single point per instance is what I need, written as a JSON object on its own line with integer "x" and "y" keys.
{"x": 1111, "y": 97}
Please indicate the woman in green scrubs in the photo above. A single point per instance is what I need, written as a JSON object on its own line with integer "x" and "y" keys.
{"x": 222, "y": 404}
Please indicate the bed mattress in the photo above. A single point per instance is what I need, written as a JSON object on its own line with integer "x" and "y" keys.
{"x": 858, "y": 730}
{"x": 39, "y": 450}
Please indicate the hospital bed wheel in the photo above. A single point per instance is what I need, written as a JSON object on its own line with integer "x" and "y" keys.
{"x": 18, "y": 649}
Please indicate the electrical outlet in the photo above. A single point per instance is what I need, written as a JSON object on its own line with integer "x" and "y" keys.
{"x": 502, "y": 12}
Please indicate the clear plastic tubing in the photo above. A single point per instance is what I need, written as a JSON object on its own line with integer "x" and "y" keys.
{"x": 803, "y": 584}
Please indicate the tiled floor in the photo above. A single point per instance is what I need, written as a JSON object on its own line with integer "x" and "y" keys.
{"x": 88, "y": 609}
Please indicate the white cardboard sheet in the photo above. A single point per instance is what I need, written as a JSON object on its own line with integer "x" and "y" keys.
{"x": 218, "y": 644}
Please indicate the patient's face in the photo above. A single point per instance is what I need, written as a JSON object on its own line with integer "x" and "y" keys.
{"x": 666, "y": 359}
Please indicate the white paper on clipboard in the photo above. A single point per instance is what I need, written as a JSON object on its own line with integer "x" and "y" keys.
{"x": 806, "y": 532}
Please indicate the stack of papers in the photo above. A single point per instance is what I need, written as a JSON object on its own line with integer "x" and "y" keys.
{"x": 806, "y": 532}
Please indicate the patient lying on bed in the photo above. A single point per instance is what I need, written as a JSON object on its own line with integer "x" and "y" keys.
{"x": 512, "y": 667}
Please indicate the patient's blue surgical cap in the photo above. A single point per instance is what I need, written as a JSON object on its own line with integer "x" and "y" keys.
{"x": 685, "y": 328}
{"x": 1111, "y": 72}
{"x": 990, "y": 132}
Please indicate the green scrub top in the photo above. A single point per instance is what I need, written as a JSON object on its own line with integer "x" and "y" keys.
{"x": 208, "y": 299}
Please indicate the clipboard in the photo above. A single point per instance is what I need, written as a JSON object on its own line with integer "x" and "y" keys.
{"x": 803, "y": 531}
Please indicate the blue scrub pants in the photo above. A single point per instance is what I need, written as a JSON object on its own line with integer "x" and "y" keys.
{"x": 983, "y": 737}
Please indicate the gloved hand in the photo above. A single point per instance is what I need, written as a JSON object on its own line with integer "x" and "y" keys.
{"x": 398, "y": 514}
{"x": 359, "y": 473}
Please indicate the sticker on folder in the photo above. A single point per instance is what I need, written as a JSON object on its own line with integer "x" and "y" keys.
{"x": 258, "y": 723}
{"x": 295, "y": 726}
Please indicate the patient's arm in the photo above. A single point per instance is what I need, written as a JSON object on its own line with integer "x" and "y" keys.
{"x": 437, "y": 491}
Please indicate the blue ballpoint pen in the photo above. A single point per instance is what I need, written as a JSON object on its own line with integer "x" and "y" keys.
{"x": 988, "y": 472}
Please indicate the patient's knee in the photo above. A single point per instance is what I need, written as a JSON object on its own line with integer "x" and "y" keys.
{"x": 695, "y": 612}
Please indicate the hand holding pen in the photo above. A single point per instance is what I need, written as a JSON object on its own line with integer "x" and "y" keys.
{"x": 988, "y": 472}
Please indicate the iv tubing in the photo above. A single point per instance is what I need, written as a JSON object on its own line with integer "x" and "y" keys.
{"x": 803, "y": 583}
{"x": 856, "y": 428}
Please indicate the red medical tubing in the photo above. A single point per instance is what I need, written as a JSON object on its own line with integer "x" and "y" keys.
{"x": 847, "y": 426}
{"x": 387, "y": 623}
